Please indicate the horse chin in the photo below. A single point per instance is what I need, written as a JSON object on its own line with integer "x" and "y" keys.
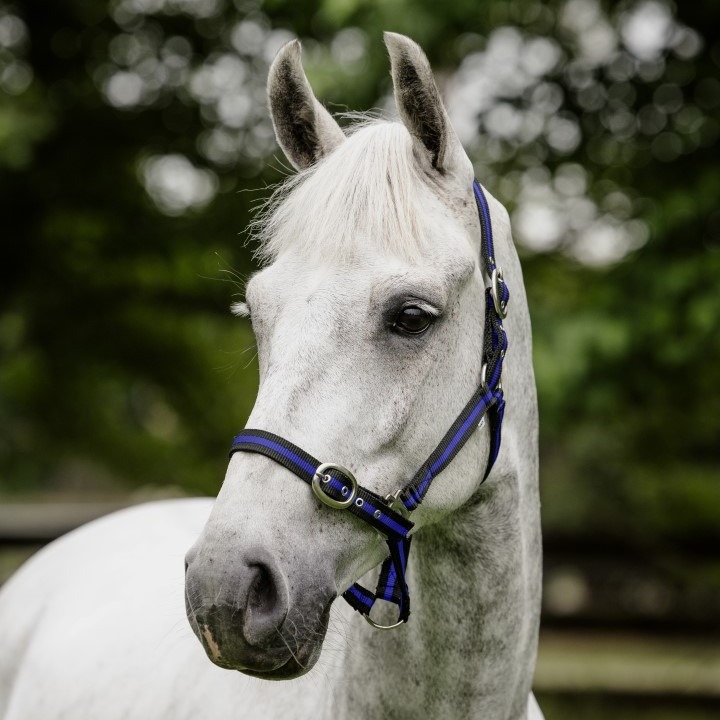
{"x": 303, "y": 646}
{"x": 274, "y": 666}
{"x": 297, "y": 665}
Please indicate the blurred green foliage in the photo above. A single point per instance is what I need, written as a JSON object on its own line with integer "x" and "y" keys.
{"x": 134, "y": 138}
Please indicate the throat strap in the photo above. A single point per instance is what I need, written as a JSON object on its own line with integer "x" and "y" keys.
{"x": 336, "y": 486}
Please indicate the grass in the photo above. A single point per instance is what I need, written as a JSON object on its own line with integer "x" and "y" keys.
{"x": 609, "y": 706}
{"x": 623, "y": 663}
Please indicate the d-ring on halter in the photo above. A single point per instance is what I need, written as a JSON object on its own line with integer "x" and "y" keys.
{"x": 336, "y": 487}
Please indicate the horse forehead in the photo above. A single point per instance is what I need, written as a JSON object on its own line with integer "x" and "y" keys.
{"x": 295, "y": 286}
{"x": 297, "y": 281}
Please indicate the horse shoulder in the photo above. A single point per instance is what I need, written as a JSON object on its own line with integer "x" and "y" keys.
{"x": 76, "y": 608}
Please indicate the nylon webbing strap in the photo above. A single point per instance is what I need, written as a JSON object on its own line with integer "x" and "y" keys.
{"x": 366, "y": 505}
{"x": 488, "y": 401}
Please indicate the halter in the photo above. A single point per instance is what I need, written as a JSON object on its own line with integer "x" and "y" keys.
{"x": 336, "y": 486}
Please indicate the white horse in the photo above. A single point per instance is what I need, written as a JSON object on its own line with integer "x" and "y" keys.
{"x": 369, "y": 319}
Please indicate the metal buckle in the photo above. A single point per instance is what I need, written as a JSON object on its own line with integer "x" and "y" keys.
{"x": 396, "y": 504}
{"x": 321, "y": 476}
{"x": 495, "y": 280}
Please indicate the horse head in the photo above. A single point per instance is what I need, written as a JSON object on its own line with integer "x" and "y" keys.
{"x": 369, "y": 319}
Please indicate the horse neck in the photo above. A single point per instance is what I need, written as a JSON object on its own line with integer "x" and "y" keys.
{"x": 470, "y": 646}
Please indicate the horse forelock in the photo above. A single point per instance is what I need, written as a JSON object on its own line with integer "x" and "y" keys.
{"x": 363, "y": 197}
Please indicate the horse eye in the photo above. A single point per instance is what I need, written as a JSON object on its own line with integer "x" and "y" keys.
{"x": 413, "y": 320}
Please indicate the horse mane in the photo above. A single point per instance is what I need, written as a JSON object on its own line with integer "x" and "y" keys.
{"x": 362, "y": 197}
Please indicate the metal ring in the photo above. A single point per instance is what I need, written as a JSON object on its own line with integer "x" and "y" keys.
{"x": 498, "y": 302}
{"x": 378, "y": 626}
{"x": 483, "y": 379}
{"x": 321, "y": 474}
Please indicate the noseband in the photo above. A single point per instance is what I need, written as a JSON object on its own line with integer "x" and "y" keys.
{"x": 337, "y": 487}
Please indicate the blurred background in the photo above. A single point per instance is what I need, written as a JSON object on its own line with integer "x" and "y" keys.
{"x": 135, "y": 143}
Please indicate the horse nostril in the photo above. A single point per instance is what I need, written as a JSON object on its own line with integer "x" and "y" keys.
{"x": 238, "y": 604}
{"x": 263, "y": 596}
{"x": 267, "y": 602}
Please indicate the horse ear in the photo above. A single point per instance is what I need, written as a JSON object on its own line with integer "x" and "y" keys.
{"x": 419, "y": 104}
{"x": 304, "y": 129}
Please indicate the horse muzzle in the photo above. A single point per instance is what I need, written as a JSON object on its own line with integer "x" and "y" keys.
{"x": 242, "y": 612}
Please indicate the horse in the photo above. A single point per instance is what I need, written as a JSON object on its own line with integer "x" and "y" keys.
{"x": 369, "y": 315}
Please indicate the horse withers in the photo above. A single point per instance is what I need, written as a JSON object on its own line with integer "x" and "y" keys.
{"x": 370, "y": 319}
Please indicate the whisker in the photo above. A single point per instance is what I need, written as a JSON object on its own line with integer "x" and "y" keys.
{"x": 294, "y": 656}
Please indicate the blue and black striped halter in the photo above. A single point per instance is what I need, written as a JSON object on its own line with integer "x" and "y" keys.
{"x": 337, "y": 487}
